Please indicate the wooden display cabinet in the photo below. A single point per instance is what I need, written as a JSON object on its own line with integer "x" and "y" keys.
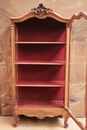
{"x": 40, "y": 65}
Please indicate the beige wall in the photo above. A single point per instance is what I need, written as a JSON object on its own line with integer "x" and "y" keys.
{"x": 65, "y": 8}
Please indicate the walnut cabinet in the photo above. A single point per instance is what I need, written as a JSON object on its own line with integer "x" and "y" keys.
{"x": 40, "y": 65}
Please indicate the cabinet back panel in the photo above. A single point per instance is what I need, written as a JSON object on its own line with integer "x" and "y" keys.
{"x": 40, "y": 73}
{"x": 29, "y": 52}
{"x": 41, "y": 30}
{"x": 38, "y": 93}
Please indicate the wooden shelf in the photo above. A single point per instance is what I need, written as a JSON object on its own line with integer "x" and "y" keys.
{"x": 41, "y": 104}
{"x": 41, "y": 62}
{"x": 40, "y": 84}
{"x": 40, "y": 42}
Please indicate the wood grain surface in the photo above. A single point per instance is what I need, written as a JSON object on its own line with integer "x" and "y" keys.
{"x": 15, "y": 8}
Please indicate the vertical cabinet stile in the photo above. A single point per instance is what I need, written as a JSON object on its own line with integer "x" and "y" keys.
{"x": 67, "y": 66}
{"x": 13, "y": 62}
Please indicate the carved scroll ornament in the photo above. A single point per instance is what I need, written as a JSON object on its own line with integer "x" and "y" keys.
{"x": 41, "y": 10}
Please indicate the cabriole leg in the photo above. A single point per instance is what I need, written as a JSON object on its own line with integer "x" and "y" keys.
{"x": 16, "y": 120}
{"x": 66, "y": 121}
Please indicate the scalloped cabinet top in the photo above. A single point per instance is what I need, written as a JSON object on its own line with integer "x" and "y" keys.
{"x": 42, "y": 12}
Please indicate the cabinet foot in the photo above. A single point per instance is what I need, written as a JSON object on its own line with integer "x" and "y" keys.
{"x": 16, "y": 120}
{"x": 15, "y": 124}
{"x": 66, "y": 121}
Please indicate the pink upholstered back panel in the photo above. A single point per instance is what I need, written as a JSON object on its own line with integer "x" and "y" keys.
{"x": 41, "y": 93}
{"x": 40, "y": 73}
{"x": 45, "y": 30}
{"x": 29, "y": 52}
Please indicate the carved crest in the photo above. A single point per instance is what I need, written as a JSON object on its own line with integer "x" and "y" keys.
{"x": 41, "y": 10}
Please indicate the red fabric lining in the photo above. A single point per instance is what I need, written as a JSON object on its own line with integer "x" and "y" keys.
{"x": 41, "y": 104}
{"x": 41, "y": 30}
{"x": 36, "y": 30}
{"x": 29, "y": 52}
{"x": 40, "y": 73}
{"x": 41, "y": 93}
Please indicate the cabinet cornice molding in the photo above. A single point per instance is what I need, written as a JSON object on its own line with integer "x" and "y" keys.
{"x": 77, "y": 17}
{"x": 40, "y": 12}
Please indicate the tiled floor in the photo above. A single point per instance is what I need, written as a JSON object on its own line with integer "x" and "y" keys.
{"x": 27, "y": 123}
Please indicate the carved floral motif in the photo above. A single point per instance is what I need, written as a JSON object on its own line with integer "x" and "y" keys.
{"x": 41, "y": 10}
{"x": 40, "y": 114}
